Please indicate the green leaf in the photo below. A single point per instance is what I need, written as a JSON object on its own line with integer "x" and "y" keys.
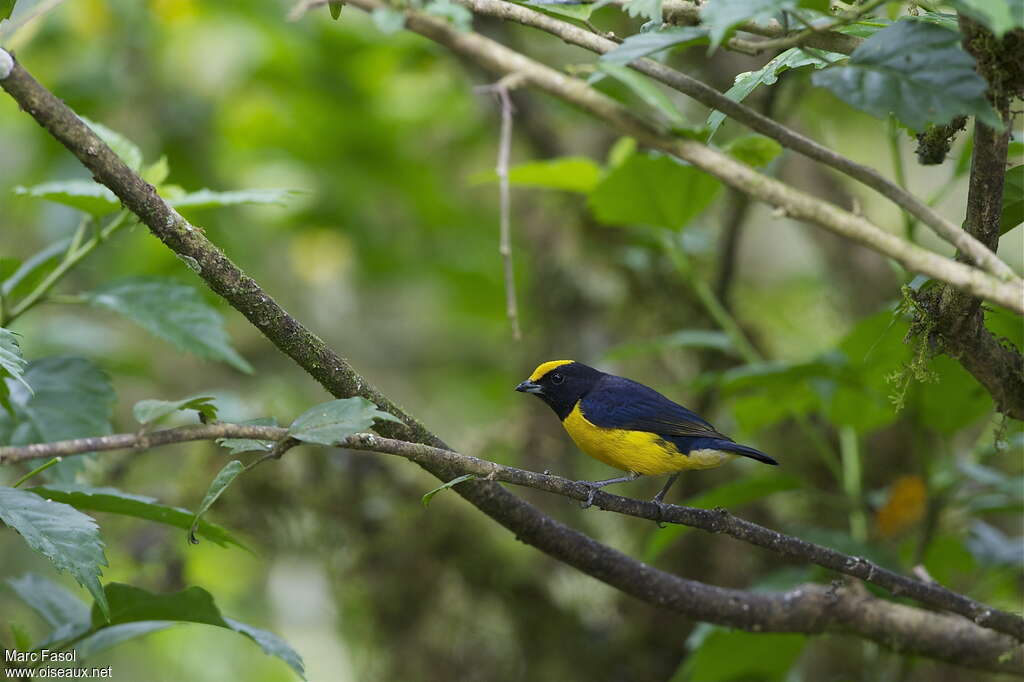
{"x": 685, "y": 338}
{"x": 156, "y": 172}
{"x": 653, "y": 190}
{"x": 954, "y": 401}
{"x": 754, "y": 150}
{"x": 61, "y": 533}
{"x": 999, "y": 16}
{"x": 914, "y": 70}
{"x": 173, "y": 311}
{"x": 207, "y": 198}
{"x": 220, "y": 483}
{"x": 644, "y": 44}
{"x": 444, "y": 486}
{"x": 130, "y": 604}
{"x": 459, "y": 16}
{"x": 721, "y": 17}
{"x": 647, "y": 9}
{"x": 388, "y": 20}
{"x": 114, "y": 501}
{"x": 729, "y": 495}
{"x": 568, "y": 173}
{"x": 335, "y": 8}
{"x": 6, "y": 7}
{"x": 115, "y": 634}
{"x": 1013, "y": 200}
{"x": 72, "y": 398}
{"x": 714, "y": 657}
{"x": 12, "y": 365}
{"x": 63, "y": 611}
{"x": 237, "y": 446}
{"x": 149, "y": 411}
{"x": 83, "y": 195}
{"x": 30, "y": 273}
{"x": 127, "y": 150}
{"x": 644, "y": 88}
{"x": 336, "y": 420}
{"x": 746, "y": 83}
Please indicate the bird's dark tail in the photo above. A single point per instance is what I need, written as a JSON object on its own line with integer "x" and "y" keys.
{"x": 746, "y": 451}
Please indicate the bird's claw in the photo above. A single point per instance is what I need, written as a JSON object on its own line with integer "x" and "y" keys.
{"x": 661, "y": 512}
{"x": 590, "y": 496}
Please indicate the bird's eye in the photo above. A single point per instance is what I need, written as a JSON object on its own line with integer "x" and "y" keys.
{"x": 557, "y": 378}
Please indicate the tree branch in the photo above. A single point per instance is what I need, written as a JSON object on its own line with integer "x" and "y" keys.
{"x": 792, "y": 202}
{"x": 688, "y": 14}
{"x": 711, "y": 520}
{"x": 708, "y": 96}
{"x": 809, "y": 609}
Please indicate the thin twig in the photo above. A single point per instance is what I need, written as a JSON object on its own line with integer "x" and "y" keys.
{"x": 788, "y": 138}
{"x": 711, "y": 520}
{"x": 500, "y": 90}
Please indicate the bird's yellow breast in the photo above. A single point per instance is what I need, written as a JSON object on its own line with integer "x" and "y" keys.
{"x": 639, "y": 451}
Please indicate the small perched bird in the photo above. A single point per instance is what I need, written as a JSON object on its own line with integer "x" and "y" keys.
{"x": 630, "y": 426}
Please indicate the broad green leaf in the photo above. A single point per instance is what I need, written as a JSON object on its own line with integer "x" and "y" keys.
{"x": 156, "y": 172}
{"x": 721, "y": 655}
{"x": 721, "y": 17}
{"x": 12, "y": 365}
{"x": 647, "y": 9}
{"x": 729, "y": 495}
{"x": 644, "y": 88}
{"x": 114, "y": 501}
{"x": 388, "y": 20}
{"x": 71, "y": 398}
{"x": 953, "y": 401}
{"x": 333, "y": 421}
{"x": 30, "y": 273}
{"x": 127, "y": 150}
{"x": 746, "y": 83}
{"x": 653, "y": 190}
{"x": 460, "y": 17}
{"x": 220, "y": 483}
{"x": 6, "y": 7}
{"x": 1013, "y": 200}
{"x": 568, "y": 173}
{"x": 1004, "y": 324}
{"x": 61, "y": 533}
{"x": 83, "y": 195}
{"x": 914, "y": 70}
{"x": 149, "y": 411}
{"x": 754, "y": 150}
{"x": 130, "y": 604}
{"x": 335, "y": 8}
{"x": 686, "y": 338}
{"x": 206, "y": 198}
{"x": 172, "y": 311}
{"x": 237, "y": 446}
{"x": 999, "y": 16}
{"x": 644, "y": 44}
{"x": 63, "y": 611}
{"x": 444, "y": 486}
{"x": 115, "y": 634}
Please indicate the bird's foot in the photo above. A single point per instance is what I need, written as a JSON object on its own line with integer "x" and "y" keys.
{"x": 590, "y": 495}
{"x": 659, "y": 519}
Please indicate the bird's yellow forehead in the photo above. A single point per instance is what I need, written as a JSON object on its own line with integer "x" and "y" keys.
{"x": 547, "y": 367}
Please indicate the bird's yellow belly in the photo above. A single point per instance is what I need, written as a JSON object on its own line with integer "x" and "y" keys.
{"x": 639, "y": 451}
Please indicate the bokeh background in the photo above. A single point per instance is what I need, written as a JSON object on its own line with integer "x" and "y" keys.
{"x": 390, "y": 254}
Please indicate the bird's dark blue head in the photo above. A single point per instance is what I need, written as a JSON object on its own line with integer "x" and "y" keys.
{"x": 561, "y": 383}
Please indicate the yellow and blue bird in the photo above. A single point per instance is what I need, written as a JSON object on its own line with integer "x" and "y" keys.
{"x": 630, "y": 426}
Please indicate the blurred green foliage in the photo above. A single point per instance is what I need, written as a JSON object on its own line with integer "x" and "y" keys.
{"x": 350, "y": 173}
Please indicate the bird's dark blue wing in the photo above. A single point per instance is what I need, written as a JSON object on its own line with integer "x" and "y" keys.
{"x": 619, "y": 403}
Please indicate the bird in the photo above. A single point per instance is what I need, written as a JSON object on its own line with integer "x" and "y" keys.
{"x": 630, "y": 426}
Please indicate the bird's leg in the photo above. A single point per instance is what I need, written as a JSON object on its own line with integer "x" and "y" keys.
{"x": 597, "y": 485}
{"x": 661, "y": 496}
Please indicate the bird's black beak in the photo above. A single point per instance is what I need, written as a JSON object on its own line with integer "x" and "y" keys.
{"x": 529, "y": 387}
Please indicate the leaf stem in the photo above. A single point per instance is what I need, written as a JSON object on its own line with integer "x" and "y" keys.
{"x": 37, "y": 470}
{"x": 76, "y": 252}
{"x": 909, "y": 222}
{"x": 849, "y": 449}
